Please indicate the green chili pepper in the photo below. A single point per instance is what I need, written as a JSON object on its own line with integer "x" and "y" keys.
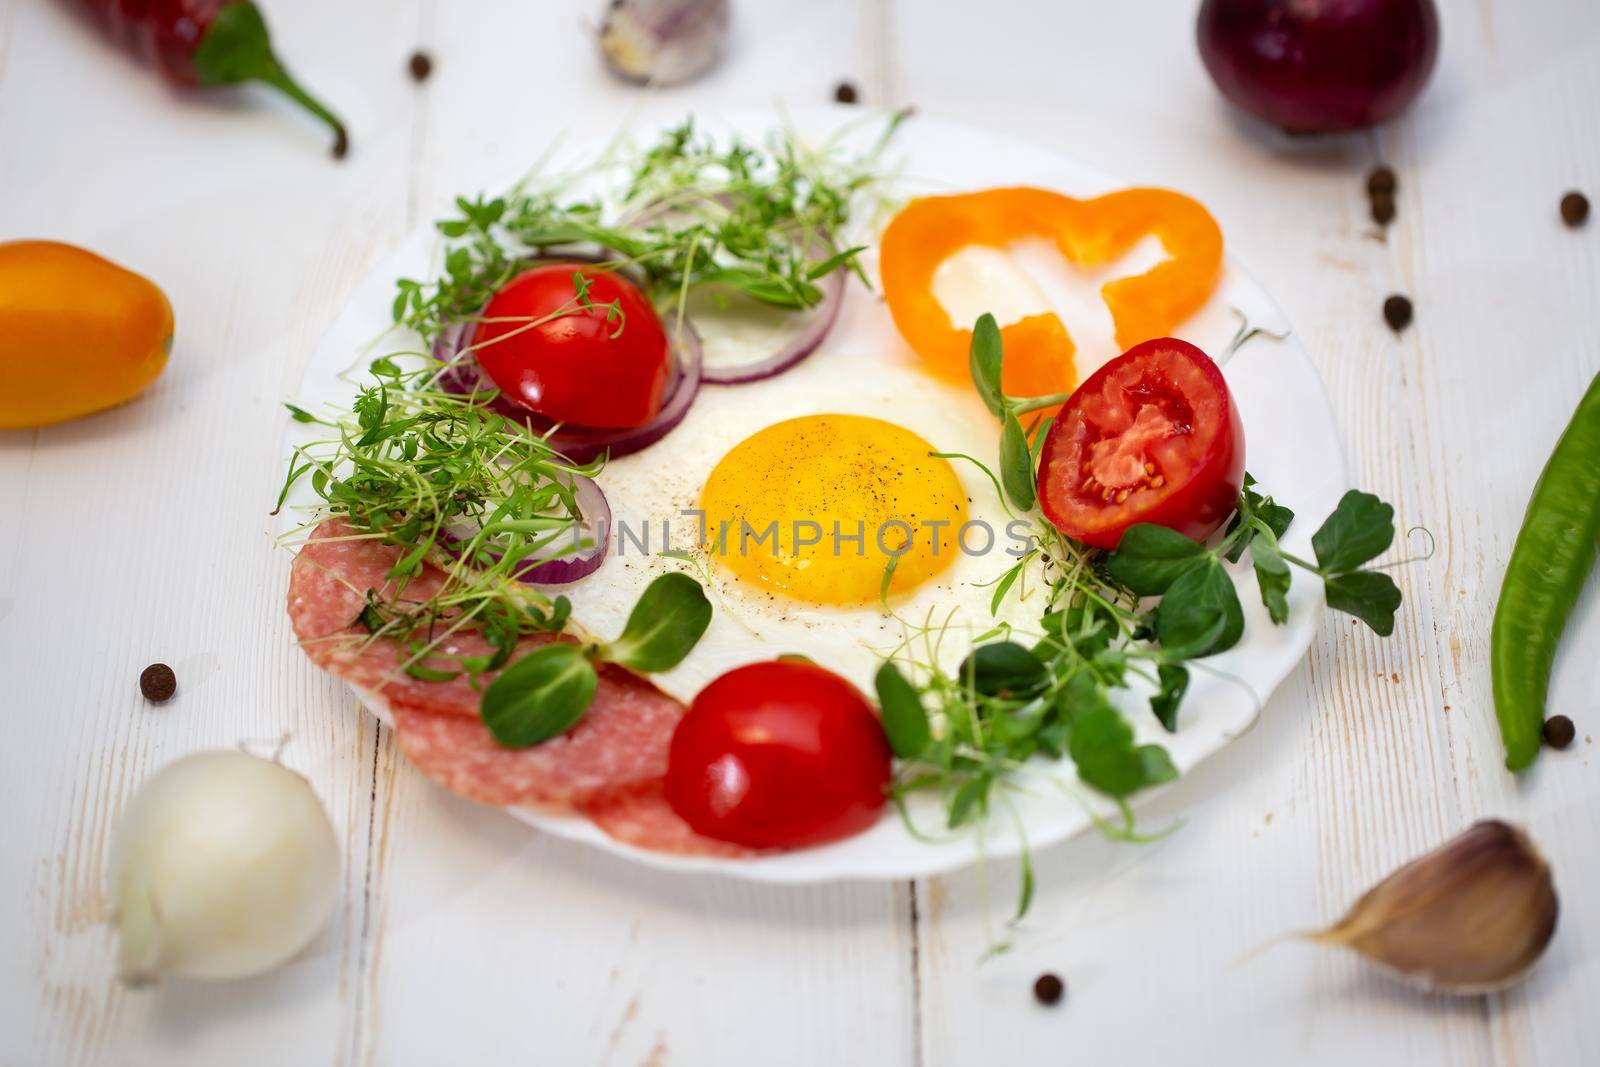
{"x": 1553, "y": 555}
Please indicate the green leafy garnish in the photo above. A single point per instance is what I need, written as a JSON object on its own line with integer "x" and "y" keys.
{"x": 1200, "y": 613}
{"x": 1016, "y": 462}
{"x": 669, "y": 618}
{"x": 1253, "y": 506}
{"x": 758, "y": 221}
{"x": 1370, "y": 596}
{"x": 1360, "y": 528}
{"x": 1174, "y": 679}
{"x": 984, "y": 358}
{"x": 905, "y": 721}
{"x": 540, "y": 696}
{"x": 1272, "y": 575}
{"x": 1106, "y": 756}
{"x": 1150, "y": 558}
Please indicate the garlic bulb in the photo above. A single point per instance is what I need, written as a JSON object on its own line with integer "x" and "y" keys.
{"x": 224, "y": 865}
{"x": 1472, "y": 916}
{"x": 663, "y": 42}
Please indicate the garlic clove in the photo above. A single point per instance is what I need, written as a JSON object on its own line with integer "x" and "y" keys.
{"x": 663, "y": 42}
{"x": 1472, "y": 916}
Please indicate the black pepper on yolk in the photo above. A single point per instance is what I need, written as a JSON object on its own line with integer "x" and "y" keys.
{"x": 784, "y": 507}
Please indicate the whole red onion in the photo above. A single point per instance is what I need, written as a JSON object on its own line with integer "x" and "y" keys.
{"x": 1319, "y": 66}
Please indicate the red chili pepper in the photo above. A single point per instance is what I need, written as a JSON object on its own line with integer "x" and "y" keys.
{"x": 207, "y": 42}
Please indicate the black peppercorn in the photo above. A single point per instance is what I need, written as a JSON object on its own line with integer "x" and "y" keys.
{"x": 1048, "y": 989}
{"x": 158, "y": 683}
{"x": 1380, "y": 181}
{"x": 1397, "y": 312}
{"x": 845, "y": 93}
{"x": 1558, "y": 731}
{"x": 1383, "y": 208}
{"x": 1574, "y": 209}
{"x": 421, "y": 66}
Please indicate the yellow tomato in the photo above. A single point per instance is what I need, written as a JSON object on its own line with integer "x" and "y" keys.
{"x": 78, "y": 333}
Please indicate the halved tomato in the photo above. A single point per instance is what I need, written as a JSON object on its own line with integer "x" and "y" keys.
{"x": 602, "y": 360}
{"x": 781, "y": 754}
{"x": 1152, "y": 436}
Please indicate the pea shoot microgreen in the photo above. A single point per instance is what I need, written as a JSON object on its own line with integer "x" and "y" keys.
{"x": 1144, "y": 611}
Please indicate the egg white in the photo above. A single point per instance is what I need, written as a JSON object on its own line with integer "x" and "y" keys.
{"x": 862, "y": 369}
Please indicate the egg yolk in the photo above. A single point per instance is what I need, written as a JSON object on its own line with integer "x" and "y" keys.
{"x": 817, "y": 507}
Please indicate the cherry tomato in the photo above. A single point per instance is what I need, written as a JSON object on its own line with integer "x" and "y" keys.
{"x": 1152, "y": 436}
{"x": 572, "y": 364}
{"x": 778, "y": 755}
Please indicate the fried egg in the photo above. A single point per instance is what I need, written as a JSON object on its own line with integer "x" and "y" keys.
{"x": 790, "y": 498}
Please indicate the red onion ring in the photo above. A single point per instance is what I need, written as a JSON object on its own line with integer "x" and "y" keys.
{"x": 823, "y": 316}
{"x": 568, "y": 567}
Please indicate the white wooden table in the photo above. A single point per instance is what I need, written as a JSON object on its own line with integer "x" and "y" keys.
{"x": 140, "y": 535}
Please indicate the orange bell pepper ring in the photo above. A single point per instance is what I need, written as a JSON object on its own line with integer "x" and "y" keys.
{"x": 1039, "y": 349}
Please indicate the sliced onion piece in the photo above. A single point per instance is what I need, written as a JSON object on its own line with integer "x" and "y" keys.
{"x": 572, "y": 564}
{"x": 820, "y": 320}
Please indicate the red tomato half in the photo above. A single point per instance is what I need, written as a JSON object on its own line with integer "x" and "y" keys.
{"x": 574, "y": 366}
{"x": 779, "y": 755}
{"x": 1152, "y": 436}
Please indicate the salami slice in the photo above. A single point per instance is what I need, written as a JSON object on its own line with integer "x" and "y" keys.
{"x": 620, "y": 742}
{"x": 639, "y": 815}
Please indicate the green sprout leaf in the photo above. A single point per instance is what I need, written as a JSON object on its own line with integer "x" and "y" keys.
{"x": 971, "y": 799}
{"x": 671, "y": 615}
{"x": 984, "y": 359}
{"x": 1370, "y": 596}
{"x": 1039, "y": 434}
{"x": 1272, "y": 573}
{"x": 1107, "y": 759}
{"x": 1360, "y": 528}
{"x": 1200, "y": 614}
{"x": 1002, "y": 667}
{"x": 1158, "y": 765}
{"x": 540, "y": 696}
{"x": 905, "y": 721}
{"x": 1174, "y": 679}
{"x": 1016, "y": 462}
{"x": 1151, "y": 558}
{"x": 1253, "y": 505}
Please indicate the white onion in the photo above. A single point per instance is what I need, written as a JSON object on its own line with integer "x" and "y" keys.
{"x": 224, "y": 865}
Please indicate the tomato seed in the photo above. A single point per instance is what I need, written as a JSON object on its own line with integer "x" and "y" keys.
{"x": 1558, "y": 731}
{"x": 1397, "y": 312}
{"x": 1048, "y": 989}
{"x": 1574, "y": 209}
{"x": 158, "y": 683}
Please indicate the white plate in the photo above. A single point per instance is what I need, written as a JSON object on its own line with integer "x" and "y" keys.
{"x": 1293, "y": 450}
